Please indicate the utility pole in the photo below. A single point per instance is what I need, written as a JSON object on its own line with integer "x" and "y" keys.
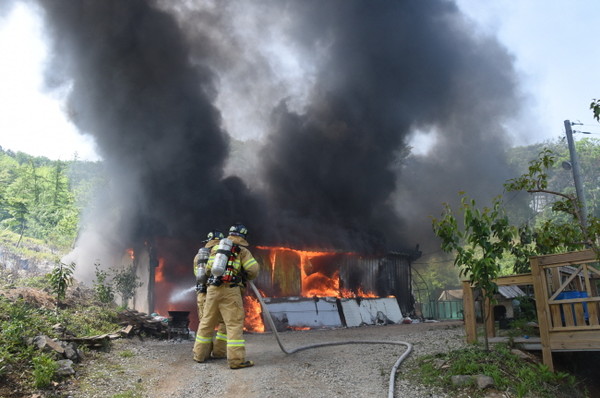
{"x": 576, "y": 174}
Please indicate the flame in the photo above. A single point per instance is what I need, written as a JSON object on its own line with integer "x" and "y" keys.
{"x": 159, "y": 273}
{"x": 298, "y": 327}
{"x": 131, "y": 253}
{"x": 317, "y": 284}
{"x": 362, "y": 293}
{"x": 253, "y": 320}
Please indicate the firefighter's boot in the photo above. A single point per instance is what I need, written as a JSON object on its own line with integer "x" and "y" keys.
{"x": 245, "y": 364}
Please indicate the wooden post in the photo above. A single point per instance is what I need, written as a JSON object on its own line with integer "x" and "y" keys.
{"x": 469, "y": 313}
{"x": 541, "y": 303}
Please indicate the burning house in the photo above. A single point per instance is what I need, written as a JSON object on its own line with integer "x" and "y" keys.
{"x": 295, "y": 281}
{"x": 288, "y": 280}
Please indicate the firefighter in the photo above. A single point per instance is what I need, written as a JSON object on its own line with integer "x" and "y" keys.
{"x": 219, "y": 347}
{"x": 229, "y": 265}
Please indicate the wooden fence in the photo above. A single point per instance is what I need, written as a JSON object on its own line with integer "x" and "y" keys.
{"x": 567, "y": 301}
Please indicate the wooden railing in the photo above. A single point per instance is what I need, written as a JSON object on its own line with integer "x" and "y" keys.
{"x": 568, "y": 321}
{"x": 567, "y": 302}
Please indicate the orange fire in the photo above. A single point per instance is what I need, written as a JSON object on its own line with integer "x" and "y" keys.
{"x": 159, "y": 273}
{"x": 131, "y": 253}
{"x": 315, "y": 283}
{"x": 253, "y": 321}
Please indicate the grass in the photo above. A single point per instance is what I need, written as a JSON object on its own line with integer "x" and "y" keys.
{"x": 137, "y": 392}
{"x": 511, "y": 373}
{"x": 29, "y": 248}
{"x": 126, "y": 354}
{"x": 22, "y": 366}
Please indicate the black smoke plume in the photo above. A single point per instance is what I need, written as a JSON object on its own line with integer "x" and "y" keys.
{"x": 163, "y": 86}
{"x": 152, "y": 114}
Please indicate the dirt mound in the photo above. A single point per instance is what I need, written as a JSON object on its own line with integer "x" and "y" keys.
{"x": 77, "y": 295}
{"x": 33, "y": 296}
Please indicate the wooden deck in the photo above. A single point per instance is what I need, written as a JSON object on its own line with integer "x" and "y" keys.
{"x": 567, "y": 302}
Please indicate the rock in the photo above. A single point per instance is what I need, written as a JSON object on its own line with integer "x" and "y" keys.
{"x": 484, "y": 381}
{"x": 65, "y": 368}
{"x": 461, "y": 380}
{"x": 71, "y": 351}
{"x": 439, "y": 363}
{"x": 481, "y": 381}
{"x": 525, "y": 356}
{"x": 46, "y": 344}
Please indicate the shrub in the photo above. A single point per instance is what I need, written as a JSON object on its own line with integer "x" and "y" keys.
{"x": 44, "y": 369}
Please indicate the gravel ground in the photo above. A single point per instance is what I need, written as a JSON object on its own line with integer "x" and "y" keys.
{"x": 152, "y": 368}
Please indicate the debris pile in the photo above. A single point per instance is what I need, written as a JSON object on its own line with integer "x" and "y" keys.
{"x": 135, "y": 322}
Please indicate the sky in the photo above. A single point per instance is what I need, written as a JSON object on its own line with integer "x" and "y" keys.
{"x": 552, "y": 42}
{"x": 555, "y": 50}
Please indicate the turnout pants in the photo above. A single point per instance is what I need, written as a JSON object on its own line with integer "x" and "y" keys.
{"x": 219, "y": 345}
{"x": 223, "y": 302}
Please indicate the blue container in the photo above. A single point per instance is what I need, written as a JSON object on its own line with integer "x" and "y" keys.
{"x": 573, "y": 294}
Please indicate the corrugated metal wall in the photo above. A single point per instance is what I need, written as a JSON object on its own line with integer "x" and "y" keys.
{"x": 385, "y": 276}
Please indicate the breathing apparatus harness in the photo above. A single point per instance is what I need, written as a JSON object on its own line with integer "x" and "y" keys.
{"x": 223, "y": 270}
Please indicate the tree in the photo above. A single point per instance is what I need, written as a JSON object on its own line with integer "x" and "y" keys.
{"x": 18, "y": 217}
{"x": 484, "y": 238}
{"x": 556, "y": 235}
{"x": 126, "y": 283}
{"x": 595, "y": 107}
{"x": 61, "y": 278}
{"x": 103, "y": 287}
{"x": 43, "y": 199}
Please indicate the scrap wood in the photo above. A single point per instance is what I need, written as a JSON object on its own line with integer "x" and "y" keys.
{"x": 140, "y": 321}
{"x": 93, "y": 341}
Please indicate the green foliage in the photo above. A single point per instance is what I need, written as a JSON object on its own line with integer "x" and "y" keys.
{"x": 126, "y": 283}
{"x": 485, "y": 237}
{"x": 438, "y": 273}
{"x": 44, "y": 369}
{"x": 595, "y": 107}
{"x": 61, "y": 278}
{"x": 43, "y": 199}
{"x": 102, "y": 287}
{"x": 90, "y": 320}
{"x": 553, "y": 234}
{"x": 20, "y": 321}
{"x": 126, "y": 354}
{"x": 510, "y": 373}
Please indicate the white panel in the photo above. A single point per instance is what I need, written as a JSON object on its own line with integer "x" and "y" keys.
{"x": 351, "y": 312}
{"x": 306, "y": 312}
{"x": 387, "y": 307}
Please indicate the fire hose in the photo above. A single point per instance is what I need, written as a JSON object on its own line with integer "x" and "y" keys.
{"x": 306, "y": 347}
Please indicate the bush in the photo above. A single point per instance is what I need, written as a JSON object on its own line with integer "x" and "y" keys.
{"x": 510, "y": 372}
{"x": 44, "y": 369}
{"x": 103, "y": 289}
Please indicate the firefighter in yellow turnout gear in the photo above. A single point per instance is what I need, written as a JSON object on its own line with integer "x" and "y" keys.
{"x": 224, "y": 297}
{"x": 219, "y": 347}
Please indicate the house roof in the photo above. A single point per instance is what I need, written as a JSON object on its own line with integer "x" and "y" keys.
{"x": 511, "y": 291}
{"x": 508, "y": 292}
